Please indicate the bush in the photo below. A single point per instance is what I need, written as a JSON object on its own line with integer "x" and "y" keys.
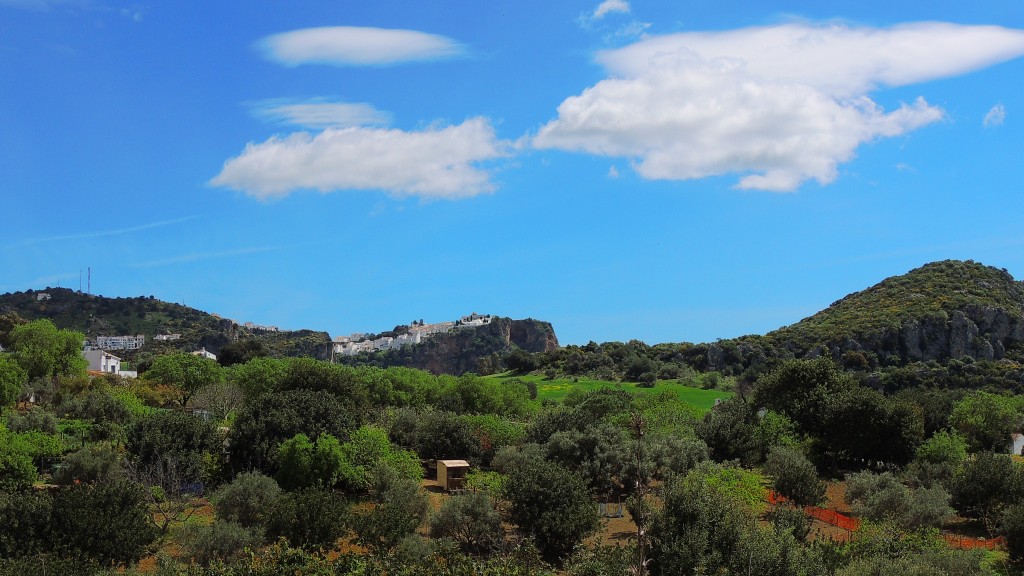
{"x": 247, "y": 501}
{"x": 94, "y": 463}
{"x": 108, "y": 523}
{"x": 309, "y": 518}
{"x": 794, "y": 476}
{"x": 551, "y": 505}
{"x": 222, "y": 540}
{"x": 25, "y": 526}
{"x": 400, "y": 508}
{"x": 470, "y": 520}
{"x": 35, "y": 419}
{"x": 792, "y": 519}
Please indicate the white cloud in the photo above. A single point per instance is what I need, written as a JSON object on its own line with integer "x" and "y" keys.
{"x": 320, "y": 113}
{"x": 440, "y": 162}
{"x": 613, "y": 172}
{"x": 778, "y": 105}
{"x": 355, "y": 46}
{"x": 609, "y": 6}
{"x": 995, "y": 116}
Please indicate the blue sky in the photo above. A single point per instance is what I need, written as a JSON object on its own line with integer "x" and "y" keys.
{"x": 665, "y": 171}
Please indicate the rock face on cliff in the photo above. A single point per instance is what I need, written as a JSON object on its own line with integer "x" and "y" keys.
{"x": 468, "y": 349}
{"x": 943, "y": 310}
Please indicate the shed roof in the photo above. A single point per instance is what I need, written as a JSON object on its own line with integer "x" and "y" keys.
{"x": 454, "y": 463}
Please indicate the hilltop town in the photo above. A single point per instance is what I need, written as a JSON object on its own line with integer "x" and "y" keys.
{"x": 413, "y": 333}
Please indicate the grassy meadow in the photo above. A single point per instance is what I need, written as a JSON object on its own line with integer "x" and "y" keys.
{"x": 559, "y": 388}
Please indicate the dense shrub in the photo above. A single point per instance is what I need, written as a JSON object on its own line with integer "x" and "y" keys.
{"x": 247, "y": 500}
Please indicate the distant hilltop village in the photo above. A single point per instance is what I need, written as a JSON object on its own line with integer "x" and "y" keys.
{"x": 413, "y": 333}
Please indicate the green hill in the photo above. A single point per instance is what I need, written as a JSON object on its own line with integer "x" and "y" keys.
{"x": 100, "y": 316}
{"x": 942, "y": 310}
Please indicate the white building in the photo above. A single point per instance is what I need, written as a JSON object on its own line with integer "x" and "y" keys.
{"x": 102, "y": 361}
{"x": 120, "y": 342}
{"x": 202, "y": 352}
{"x": 252, "y": 326}
{"x": 166, "y": 337}
{"x": 475, "y": 319}
{"x": 42, "y": 296}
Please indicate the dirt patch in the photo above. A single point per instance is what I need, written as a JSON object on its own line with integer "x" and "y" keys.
{"x": 835, "y": 497}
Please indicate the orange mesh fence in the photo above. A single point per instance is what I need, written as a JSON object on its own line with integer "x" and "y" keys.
{"x": 853, "y": 524}
{"x": 834, "y": 518}
{"x": 827, "y": 516}
{"x": 968, "y": 543}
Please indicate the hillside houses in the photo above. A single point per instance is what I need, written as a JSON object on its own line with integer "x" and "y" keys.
{"x": 413, "y": 333}
{"x": 120, "y": 342}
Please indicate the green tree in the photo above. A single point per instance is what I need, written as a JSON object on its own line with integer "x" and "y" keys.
{"x": 551, "y": 505}
{"x": 367, "y": 447}
{"x": 399, "y": 508}
{"x": 94, "y": 463}
{"x": 222, "y": 540}
{"x": 309, "y": 518}
{"x": 12, "y": 379}
{"x": 596, "y": 453}
{"x": 730, "y": 431}
{"x": 471, "y": 520}
{"x": 241, "y": 351}
{"x": 794, "y": 476}
{"x": 106, "y": 522}
{"x": 43, "y": 351}
{"x": 247, "y": 500}
{"x": 986, "y": 420}
{"x": 938, "y": 459}
{"x": 273, "y": 418}
{"x": 700, "y": 526}
{"x": 305, "y": 464}
{"x": 1011, "y": 526}
{"x": 984, "y": 485}
{"x": 258, "y": 376}
{"x": 26, "y": 528}
{"x": 177, "y": 437}
{"x": 883, "y": 498}
{"x": 188, "y": 372}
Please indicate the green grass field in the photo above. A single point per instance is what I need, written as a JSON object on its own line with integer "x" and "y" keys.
{"x": 558, "y": 388}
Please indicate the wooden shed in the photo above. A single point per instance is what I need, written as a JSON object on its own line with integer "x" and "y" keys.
{"x": 451, "y": 474}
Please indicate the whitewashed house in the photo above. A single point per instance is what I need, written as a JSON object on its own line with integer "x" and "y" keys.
{"x": 1017, "y": 443}
{"x": 102, "y": 361}
{"x": 203, "y": 352}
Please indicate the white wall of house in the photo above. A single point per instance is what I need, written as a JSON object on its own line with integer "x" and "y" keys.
{"x": 102, "y": 361}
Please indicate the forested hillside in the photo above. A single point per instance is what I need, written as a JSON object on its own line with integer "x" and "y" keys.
{"x": 100, "y": 316}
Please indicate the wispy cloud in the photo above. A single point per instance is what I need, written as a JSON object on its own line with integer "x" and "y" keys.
{"x": 320, "y": 113}
{"x": 43, "y": 5}
{"x": 995, "y": 116}
{"x": 778, "y": 105}
{"x": 357, "y": 46}
{"x": 196, "y": 256}
{"x": 610, "y": 6}
{"x": 102, "y": 233}
{"x": 439, "y": 162}
{"x": 587, "y": 20}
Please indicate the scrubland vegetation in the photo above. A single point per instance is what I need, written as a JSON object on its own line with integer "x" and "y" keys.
{"x": 737, "y": 457}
